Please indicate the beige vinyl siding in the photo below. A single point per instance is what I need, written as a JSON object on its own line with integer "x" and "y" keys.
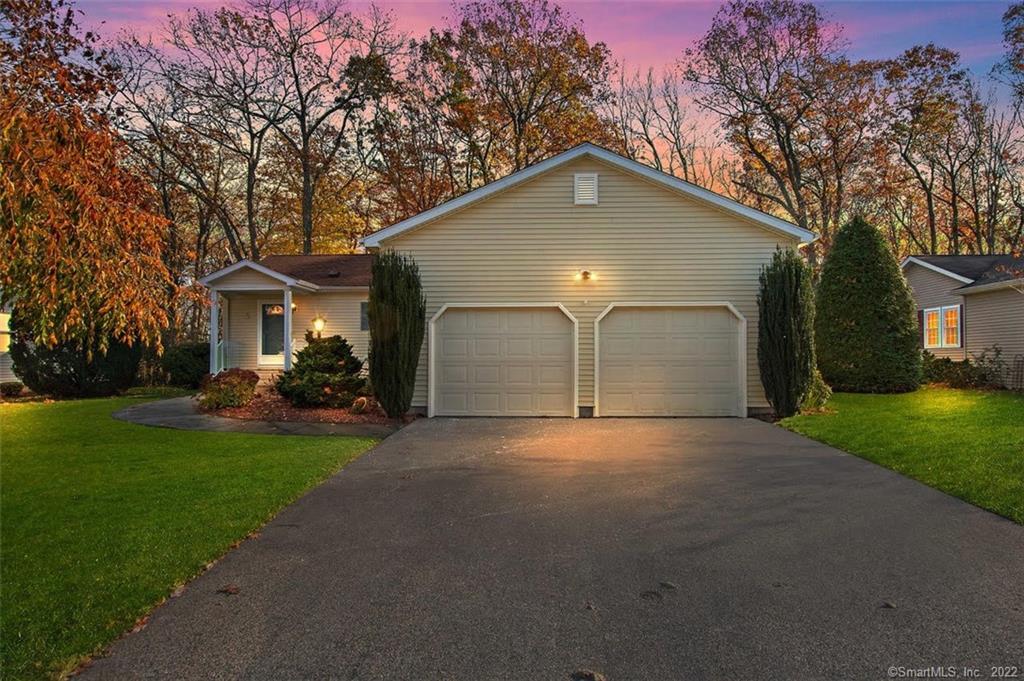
{"x": 932, "y": 289}
{"x": 645, "y": 243}
{"x": 340, "y": 310}
{"x": 996, "y": 318}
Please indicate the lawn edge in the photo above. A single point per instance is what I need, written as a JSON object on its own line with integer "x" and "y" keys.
{"x": 78, "y": 664}
{"x": 901, "y": 474}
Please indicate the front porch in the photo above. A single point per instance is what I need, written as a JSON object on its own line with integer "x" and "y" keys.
{"x": 259, "y": 317}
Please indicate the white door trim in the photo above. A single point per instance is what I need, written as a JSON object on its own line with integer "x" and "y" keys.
{"x": 431, "y": 336}
{"x": 741, "y": 406}
{"x": 261, "y": 359}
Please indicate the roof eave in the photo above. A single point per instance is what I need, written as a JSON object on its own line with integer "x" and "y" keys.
{"x": 911, "y": 260}
{"x": 1016, "y": 283}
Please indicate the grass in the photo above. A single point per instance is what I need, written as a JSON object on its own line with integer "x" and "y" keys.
{"x": 101, "y": 519}
{"x": 967, "y": 443}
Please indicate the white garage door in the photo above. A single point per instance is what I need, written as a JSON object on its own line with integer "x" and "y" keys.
{"x": 664, "y": 361}
{"x": 504, "y": 362}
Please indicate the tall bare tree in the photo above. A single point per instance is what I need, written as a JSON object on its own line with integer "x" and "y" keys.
{"x": 332, "y": 66}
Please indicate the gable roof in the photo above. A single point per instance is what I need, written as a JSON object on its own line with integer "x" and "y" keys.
{"x": 971, "y": 270}
{"x": 309, "y": 272}
{"x": 700, "y": 194}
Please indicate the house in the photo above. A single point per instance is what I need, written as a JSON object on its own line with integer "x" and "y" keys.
{"x": 967, "y": 304}
{"x": 587, "y": 284}
{"x": 260, "y": 311}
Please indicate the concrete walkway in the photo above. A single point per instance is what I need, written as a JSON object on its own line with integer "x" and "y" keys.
{"x": 182, "y": 413}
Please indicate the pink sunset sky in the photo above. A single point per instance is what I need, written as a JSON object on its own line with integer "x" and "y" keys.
{"x": 647, "y": 33}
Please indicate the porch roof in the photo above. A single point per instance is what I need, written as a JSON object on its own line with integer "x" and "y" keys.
{"x": 303, "y": 272}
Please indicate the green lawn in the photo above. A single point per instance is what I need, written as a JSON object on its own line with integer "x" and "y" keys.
{"x": 967, "y": 443}
{"x": 102, "y": 519}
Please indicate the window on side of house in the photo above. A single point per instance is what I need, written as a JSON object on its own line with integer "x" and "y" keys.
{"x": 942, "y": 327}
{"x": 364, "y": 316}
{"x": 5, "y": 331}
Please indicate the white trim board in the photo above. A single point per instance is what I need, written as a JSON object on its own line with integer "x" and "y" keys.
{"x": 432, "y": 335}
{"x": 1017, "y": 284}
{"x": 741, "y": 406}
{"x": 702, "y": 195}
{"x": 911, "y": 260}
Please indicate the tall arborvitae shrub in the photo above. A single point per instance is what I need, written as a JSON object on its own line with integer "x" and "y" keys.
{"x": 865, "y": 327}
{"x": 397, "y": 315}
{"x": 785, "y": 337}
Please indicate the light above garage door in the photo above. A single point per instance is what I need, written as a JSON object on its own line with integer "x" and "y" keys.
{"x": 667, "y": 360}
{"x": 503, "y": 361}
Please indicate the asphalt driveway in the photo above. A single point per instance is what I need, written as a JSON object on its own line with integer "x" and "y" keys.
{"x": 641, "y": 549}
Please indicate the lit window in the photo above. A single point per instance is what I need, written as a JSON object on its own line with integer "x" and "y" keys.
{"x": 5, "y": 331}
{"x": 951, "y": 326}
{"x": 931, "y": 328}
{"x": 942, "y": 327}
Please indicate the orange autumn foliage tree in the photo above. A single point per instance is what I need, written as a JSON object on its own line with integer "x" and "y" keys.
{"x": 82, "y": 251}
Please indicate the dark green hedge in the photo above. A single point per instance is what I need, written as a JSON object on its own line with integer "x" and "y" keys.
{"x": 68, "y": 370}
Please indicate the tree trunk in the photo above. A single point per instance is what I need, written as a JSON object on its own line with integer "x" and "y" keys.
{"x": 307, "y": 204}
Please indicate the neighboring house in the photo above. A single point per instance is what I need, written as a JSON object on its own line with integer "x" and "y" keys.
{"x": 588, "y": 284}
{"x": 6, "y": 365}
{"x": 967, "y": 304}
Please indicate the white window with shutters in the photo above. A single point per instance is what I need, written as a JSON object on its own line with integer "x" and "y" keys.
{"x": 585, "y": 189}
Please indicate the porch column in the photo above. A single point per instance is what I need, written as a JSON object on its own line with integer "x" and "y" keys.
{"x": 214, "y": 329}
{"x": 287, "y": 329}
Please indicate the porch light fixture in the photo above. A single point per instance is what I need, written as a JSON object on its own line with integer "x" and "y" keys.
{"x": 318, "y": 325}
{"x": 585, "y": 275}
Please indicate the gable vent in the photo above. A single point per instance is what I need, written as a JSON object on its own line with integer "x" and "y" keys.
{"x": 585, "y": 189}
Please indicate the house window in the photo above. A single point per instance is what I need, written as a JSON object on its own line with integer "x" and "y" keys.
{"x": 364, "y": 316}
{"x": 5, "y": 331}
{"x": 951, "y": 326}
{"x": 942, "y": 327}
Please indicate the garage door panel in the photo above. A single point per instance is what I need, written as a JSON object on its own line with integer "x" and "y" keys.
{"x": 520, "y": 363}
{"x": 668, "y": 361}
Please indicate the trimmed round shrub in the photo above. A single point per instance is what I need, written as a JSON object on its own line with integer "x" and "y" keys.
{"x": 326, "y": 373}
{"x": 785, "y": 332}
{"x": 866, "y": 323}
{"x": 229, "y": 388}
{"x": 11, "y": 388}
{"x": 66, "y": 370}
{"x": 186, "y": 363}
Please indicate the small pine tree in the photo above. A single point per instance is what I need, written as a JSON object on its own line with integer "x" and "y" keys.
{"x": 326, "y": 373}
{"x": 397, "y": 314}
{"x": 866, "y": 322}
{"x": 785, "y": 339}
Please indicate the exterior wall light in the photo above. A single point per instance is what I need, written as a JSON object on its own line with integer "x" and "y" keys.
{"x": 585, "y": 275}
{"x": 318, "y": 325}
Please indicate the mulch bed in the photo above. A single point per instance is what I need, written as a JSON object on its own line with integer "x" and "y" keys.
{"x": 273, "y": 407}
